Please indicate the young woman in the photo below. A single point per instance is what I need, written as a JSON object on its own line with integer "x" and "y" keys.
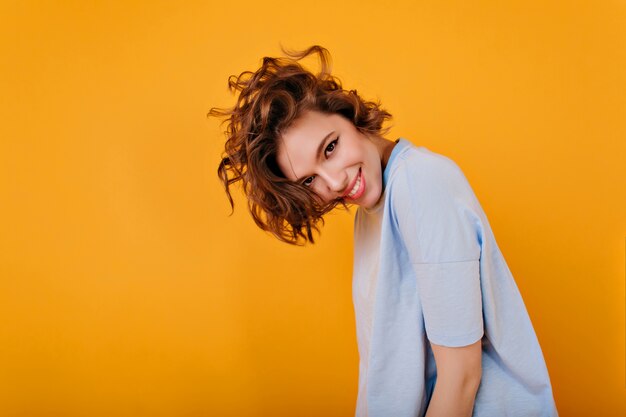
{"x": 441, "y": 327}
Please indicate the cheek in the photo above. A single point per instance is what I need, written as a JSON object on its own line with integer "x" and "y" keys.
{"x": 376, "y": 177}
{"x": 325, "y": 196}
{"x": 321, "y": 193}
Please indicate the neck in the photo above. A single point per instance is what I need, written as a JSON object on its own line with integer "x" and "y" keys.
{"x": 385, "y": 147}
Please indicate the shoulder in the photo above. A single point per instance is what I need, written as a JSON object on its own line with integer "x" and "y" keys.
{"x": 417, "y": 169}
{"x": 434, "y": 208}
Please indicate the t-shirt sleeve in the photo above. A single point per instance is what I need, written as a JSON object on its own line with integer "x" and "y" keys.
{"x": 437, "y": 215}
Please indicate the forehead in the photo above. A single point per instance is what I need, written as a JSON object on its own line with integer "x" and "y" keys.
{"x": 298, "y": 144}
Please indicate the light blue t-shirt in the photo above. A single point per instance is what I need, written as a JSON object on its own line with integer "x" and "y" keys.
{"x": 427, "y": 268}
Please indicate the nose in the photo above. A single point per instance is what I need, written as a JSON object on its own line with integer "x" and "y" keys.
{"x": 336, "y": 181}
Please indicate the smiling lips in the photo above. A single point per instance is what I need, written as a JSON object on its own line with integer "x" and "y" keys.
{"x": 356, "y": 188}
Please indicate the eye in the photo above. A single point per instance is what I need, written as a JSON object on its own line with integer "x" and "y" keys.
{"x": 331, "y": 147}
{"x": 307, "y": 181}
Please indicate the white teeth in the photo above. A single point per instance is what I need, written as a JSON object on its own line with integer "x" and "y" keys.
{"x": 356, "y": 187}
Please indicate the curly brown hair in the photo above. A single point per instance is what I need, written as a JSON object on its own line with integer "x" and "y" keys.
{"x": 269, "y": 101}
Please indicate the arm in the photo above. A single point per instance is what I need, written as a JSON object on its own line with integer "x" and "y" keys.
{"x": 458, "y": 377}
{"x": 440, "y": 222}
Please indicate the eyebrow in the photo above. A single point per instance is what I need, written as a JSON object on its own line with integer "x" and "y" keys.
{"x": 319, "y": 153}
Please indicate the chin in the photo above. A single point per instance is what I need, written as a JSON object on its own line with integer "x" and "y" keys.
{"x": 372, "y": 200}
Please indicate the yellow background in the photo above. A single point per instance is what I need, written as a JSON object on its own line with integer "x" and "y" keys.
{"x": 126, "y": 290}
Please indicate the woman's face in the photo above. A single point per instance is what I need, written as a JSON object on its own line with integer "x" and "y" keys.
{"x": 327, "y": 153}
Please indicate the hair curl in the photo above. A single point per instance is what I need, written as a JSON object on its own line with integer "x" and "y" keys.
{"x": 269, "y": 101}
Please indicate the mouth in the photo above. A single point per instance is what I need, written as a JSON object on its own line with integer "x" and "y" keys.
{"x": 356, "y": 187}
